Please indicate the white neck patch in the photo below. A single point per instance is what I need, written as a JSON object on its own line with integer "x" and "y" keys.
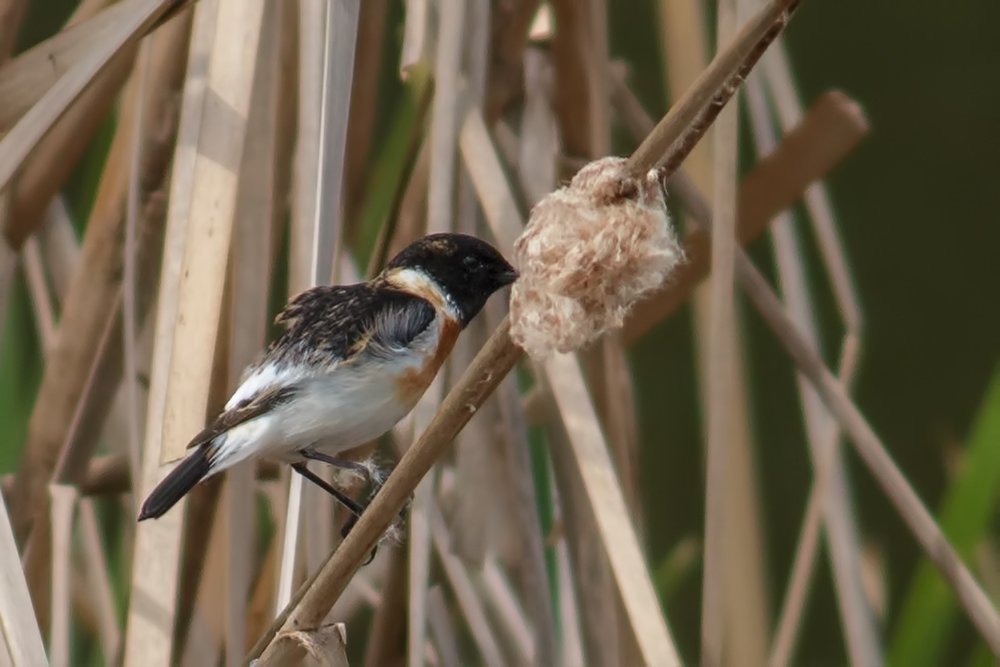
{"x": 417, "y": 282}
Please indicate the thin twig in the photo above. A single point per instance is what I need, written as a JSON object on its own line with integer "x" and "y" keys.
{"x": 688, "y": 119}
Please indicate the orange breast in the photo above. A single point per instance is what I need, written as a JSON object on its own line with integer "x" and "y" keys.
{"x": 412, "y": 384}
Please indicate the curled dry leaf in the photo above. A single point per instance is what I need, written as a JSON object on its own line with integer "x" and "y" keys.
{"x": 589, "y": 251}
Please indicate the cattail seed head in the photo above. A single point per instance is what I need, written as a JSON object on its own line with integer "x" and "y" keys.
{"x": 589, "y": 251}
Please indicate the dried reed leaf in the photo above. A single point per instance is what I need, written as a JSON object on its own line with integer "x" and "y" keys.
{"x": 388, "y": 629}
{"x": 22, "y": 642}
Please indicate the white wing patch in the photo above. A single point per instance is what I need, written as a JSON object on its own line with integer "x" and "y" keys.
{"x": 262, "y": 378}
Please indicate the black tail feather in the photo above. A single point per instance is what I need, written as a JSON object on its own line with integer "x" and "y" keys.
{"x": 175, "y": 486}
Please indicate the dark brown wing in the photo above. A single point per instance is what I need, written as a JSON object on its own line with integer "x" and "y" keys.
{"x": 244, "y": 411}
{"x": 330, "y": 324}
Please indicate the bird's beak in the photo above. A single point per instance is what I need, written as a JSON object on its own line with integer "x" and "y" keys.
{"x": 510, "y": 276}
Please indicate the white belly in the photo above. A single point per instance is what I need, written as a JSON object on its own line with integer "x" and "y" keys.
{"x": 346, "y": 406}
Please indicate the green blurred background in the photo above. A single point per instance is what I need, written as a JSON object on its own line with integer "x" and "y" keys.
{"x": 916, "y": 207}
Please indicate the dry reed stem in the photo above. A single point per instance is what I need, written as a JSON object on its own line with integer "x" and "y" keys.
{"x": 152, "y": 610}
{"x": 441, "y": 628}
{"x": 832, "y": 127}
{"x": 688, "y": 119}
{"x": 720, "y": 365}
{"x": 47, "y": 169}
{"x": 686, "y": 53}
{"x": 465, "y": 592}
{"x": 99, "y": 582}
{"x": 533, "y": 569}
{"x": 440, "y": 218}
{"x": 324, "y": 647}
{"x": 823, "y": 432}
{"x": 32, "y": 127}
{"x": 501, "y": 596}
{"x": 63, "y": 503}
{"x": 420, "y": 535}
{"x": 256, "y": 215}
{"x": 26, "y": 79}
{"x": 364, "y": 96}
{"x": 389, "y": 626}
{"x": 20, "y": 638}
{"x": 303, "y": 237}
{"x": 509, "y": 36}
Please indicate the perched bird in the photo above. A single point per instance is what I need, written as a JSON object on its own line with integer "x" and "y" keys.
{"x": 353, "y": 361}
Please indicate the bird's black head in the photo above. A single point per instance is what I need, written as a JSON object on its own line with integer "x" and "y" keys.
{"x": 467, "y": 269}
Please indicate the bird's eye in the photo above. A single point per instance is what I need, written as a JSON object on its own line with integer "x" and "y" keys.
{"x": 471, "y": 263}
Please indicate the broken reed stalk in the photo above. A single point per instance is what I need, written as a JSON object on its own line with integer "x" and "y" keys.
{"x": 313, "y": 600}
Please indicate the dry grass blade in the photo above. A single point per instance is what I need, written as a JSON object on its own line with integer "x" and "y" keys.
{"x": 35, "y": 124}
{"x": 64, "y": 499}
{"x": 830, "y": 130}
{"x": 465, "y": 592}
{"x": 688, "y": 119}
{"x": 721, "y": 359}
{"x": 157, "y": 549}
{"x": 325, "y": 647}
{"x": 18, "y": 630}
{"x": 26, "y": 79}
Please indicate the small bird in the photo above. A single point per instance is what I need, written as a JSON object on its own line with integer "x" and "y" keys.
{"x": 353, "y": 361}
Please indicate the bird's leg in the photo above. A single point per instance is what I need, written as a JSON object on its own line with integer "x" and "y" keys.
{"x": 313, "y": 455}
{"x": 341, "y": 497}
{"x": 348, "y": 502}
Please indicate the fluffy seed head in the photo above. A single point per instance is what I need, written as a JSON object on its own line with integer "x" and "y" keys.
{"x": 589, "y": 251}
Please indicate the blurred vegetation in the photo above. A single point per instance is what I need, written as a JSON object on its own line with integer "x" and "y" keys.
{"x": 916, "y": 206}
